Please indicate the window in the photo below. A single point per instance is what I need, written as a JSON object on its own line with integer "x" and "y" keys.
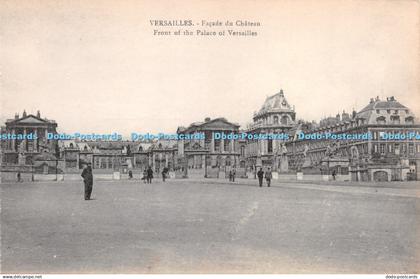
{"x": 377, "y": 111}
{"x": 411, "y": 149}
{"x": 388, "y": 111}
{"x": 381, "y": 120}
{"x": 409, "y": 120}
{"x": 395, "y": 119}
{"x": 243, "y": 151}
{"x": 390, "y": 148}
{"x": 397, "y": 149}
{"x": 382, "y": 148}
{"x": 375, "y": 148}
{"x": 284, "y": 120}
{"x": 270, "y": 146}
{"x": 276, "y": 119}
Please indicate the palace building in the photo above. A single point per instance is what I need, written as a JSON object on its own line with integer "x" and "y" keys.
{"x": 276, "y": 116}
{"x": 379, "y": 156}
{"x": 29, "y": 140}
{"x": 211, "y": 156}
{"x": 366, "y": 159}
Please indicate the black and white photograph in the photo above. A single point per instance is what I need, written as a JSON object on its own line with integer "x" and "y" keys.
{"x": 233, "y": 137}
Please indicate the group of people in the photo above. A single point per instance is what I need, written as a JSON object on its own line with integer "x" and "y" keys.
{"x": 148, "y": 176}
{"x": 268, "y": 176}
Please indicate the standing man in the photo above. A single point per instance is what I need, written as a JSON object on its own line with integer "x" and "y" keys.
{"x": 260, "y": 175}
{"x": 233, "y": 174}
{"x": 164, "y": 172}
{"x": 268, "y": 177}
{"x": 149, "y": 175}
{"x": 88, "y": 180}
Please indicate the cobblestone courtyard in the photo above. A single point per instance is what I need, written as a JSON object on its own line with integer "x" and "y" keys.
{"x": 209, "y": 226}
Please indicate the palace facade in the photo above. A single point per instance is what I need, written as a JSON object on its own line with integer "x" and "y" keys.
{"x": 375, "y": 158}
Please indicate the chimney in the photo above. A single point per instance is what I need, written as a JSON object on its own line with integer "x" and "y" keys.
{"x": 16, "y": 115}
{"x": 24, "y": 113}
{"x": 38, "y": 114}
{"x": 371, "y": 100}
{"x": 207, "y": 119}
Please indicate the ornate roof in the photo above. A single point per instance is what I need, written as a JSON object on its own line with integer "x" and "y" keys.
{"x": 384, "y": 111}
{"x": 276, "y": 103}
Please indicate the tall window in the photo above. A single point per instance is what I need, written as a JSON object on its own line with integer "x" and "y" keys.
{"x": 411, "y": 149}
{"x": 382, "y": 148}
{"x": 284, "y": 120}
{"x": 276, "y": 119}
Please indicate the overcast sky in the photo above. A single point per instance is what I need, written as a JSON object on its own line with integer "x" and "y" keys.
{"x": 95, "y": 66}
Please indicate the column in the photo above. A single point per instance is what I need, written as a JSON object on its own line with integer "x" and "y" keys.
{"x": 46, "y": 135}
{"x": 203, "y": 161}
{"x": 212, "y": 145}
{"x": 13, "y": 141}
{"x": 153, "y": 162}
{"x": 222, "y": 145}
{"x": 36, "y": 140}
{"x": 166, "y": 160}
{"x": 232, "y": 146}
{"x": 25, "y": 144}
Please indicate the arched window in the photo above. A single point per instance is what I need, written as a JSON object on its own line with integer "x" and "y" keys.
{"x": 276, "y": 119}
{"x": 140, "y": 148}
{"x": 71, "y": 145}
{"x": 409, "y": 120}
{"x": 284, "y": 120}
{"x": 381, "y": 120}
{"x": 395, "y": 119}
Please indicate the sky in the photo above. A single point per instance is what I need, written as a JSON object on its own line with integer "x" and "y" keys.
{"x": 95, "y": 66}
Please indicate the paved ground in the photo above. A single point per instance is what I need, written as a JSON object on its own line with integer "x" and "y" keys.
{"x": 210, "y": 226}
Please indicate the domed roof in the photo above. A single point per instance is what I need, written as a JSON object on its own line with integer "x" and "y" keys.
{"x": 277, "y": 102}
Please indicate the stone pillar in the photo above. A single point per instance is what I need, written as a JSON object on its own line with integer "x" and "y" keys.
{"x": 13, "y": 141}
{"x": 232, "y": 146}
{"x": 36, "y": 140}
{"x": 46, "y": 135}
{"x": 166, "y": 160}
{"x": 153, "y": 162}
{"x": 222, "y": 145}
{"x": 212, "y": 145}
{"x": 203, "y": 161}
{"x": 194, "y": 161}
{"x": 181, "y": 147}
{"x": 25, "y": 143}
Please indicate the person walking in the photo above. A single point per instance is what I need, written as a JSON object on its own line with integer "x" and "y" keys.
{"x": 144, "y": 178}
{"x": 260, "y": 175}
{"x": 334, "y": 174}
{"x": 233, "y": 174}
{"x": 164, "y": 172}
{"x": 149, "y": 175}
{"x": 88, "y": 180}
{"x": 268, "y": 176}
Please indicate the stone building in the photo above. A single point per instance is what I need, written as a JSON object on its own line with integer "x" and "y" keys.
{"x": 276, "y": 116}
{"x": 31, "y": 139}
{"x": 372, "y": 158}
{"x": 210, "y": 155}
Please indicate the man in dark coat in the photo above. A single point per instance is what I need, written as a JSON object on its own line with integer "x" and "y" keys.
{"x": 164, "y": 173}
{"x": 260, "y": 175}
{"x": 149, "y": 175}
{"x": 268, "y": 177}
{"x": 88, "y": 180}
